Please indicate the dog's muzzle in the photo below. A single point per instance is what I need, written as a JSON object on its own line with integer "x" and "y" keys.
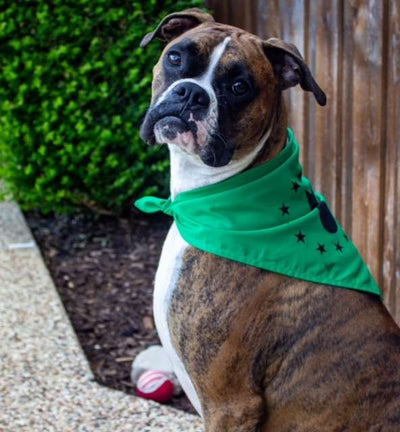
{"x": 186, "y": 116}
{"x": 176, "y": 112}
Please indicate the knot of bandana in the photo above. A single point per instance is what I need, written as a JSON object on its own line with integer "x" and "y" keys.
{"x": 154, "y": 204}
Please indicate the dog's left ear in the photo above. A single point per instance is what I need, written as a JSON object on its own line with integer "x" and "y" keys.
{"x": 290, "y": 68}
{"x": 175, "y": 24}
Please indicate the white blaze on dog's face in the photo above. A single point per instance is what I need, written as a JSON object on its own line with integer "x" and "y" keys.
{"x": 215, "y": 88}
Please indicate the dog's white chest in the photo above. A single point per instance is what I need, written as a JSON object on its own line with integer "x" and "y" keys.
{"x": 166, "y": 279}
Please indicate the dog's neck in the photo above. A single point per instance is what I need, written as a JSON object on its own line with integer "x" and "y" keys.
{"x": 189, "y": 172}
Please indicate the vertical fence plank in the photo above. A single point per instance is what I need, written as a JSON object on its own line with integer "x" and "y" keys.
{"x": 220, "y": 10}
{"x": 323, "y": 127}
{"x": 391, "y": 210}
{"x": 367, "y": 17}
{"x": 286, "y": 19}
{"x": 346, "y": 119}
{"x": 239, "y": 13}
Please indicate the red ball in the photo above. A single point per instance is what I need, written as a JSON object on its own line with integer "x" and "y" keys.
{"x": 155, "y": 385}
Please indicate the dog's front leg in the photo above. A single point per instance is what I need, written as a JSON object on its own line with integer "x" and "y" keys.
{"x": 232, "y": 399}
{"x": 239, "y": 413}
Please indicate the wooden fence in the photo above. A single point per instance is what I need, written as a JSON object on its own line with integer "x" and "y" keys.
{"x": 351, "y": 147}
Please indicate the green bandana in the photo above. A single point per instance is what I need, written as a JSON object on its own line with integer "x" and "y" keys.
{"x": 269, "y": 217}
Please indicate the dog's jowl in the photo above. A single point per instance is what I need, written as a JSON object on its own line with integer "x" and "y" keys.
{"x": 269, "y": 314}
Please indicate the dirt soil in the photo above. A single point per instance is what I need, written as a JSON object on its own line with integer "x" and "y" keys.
{"x": 103, "y": 268}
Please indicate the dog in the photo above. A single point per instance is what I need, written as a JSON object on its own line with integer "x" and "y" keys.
{"x": 255, "y": 350}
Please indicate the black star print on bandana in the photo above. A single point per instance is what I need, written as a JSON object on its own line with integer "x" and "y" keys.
{"x": 339, "y": 247}
{"x": 284, "y": 209}
{"x": 346, "y": 237}
{"x": 295, "y": 186}
{"x": 321, "y": 248}
{"x": 300, "y": 237}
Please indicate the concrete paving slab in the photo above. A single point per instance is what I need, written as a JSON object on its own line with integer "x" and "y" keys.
{"x": 46, "y": 383}
{"x": 14, "y": 233}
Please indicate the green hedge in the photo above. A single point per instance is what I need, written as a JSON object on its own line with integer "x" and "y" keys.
{"x": 74, "y": 85}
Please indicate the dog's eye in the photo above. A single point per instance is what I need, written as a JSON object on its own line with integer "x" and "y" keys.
{"x": 240, "y": 87}
{"x": 174, "y": 58}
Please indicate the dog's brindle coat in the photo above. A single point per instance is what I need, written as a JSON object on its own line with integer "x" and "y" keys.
{"x": 264, "y": 352}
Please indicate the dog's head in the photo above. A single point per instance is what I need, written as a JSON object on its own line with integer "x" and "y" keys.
{"x": 216, "y": 87}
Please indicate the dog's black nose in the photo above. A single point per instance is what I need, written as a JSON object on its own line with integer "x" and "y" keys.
{"x": 192, "y": 95}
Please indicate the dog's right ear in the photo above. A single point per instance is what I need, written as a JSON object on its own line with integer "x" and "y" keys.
{"x": 175, "y": 24}
{"x": 290, "y": 68}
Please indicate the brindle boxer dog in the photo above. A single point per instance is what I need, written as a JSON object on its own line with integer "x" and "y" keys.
{"x": 264, "y": 352}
